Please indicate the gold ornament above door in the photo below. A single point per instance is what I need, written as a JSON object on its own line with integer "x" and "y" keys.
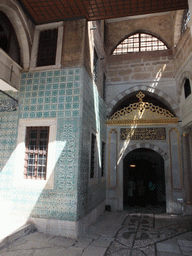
{"x": 142, "y": 113}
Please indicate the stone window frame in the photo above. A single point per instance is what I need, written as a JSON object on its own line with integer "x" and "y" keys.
{"x": 38, "y": 29}
{"x": 94, "y": 180}
{"x": 48, "y": 183}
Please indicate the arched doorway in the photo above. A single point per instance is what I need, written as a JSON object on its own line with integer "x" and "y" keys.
{"x": 143, "y": 179}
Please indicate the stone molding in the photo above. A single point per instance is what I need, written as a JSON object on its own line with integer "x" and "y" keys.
{"x": 148, "y": 146}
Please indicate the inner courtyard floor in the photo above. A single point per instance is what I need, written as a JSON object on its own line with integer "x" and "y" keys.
{"x": 133, "y": 232}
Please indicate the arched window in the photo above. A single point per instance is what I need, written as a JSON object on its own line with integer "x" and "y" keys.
{"x": 140, "y": 42}
{"x": 187, "y": 87}
{"x": 8, "y": 38}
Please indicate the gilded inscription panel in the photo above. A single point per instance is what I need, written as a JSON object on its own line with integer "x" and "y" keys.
{"x": 143, "y": 133}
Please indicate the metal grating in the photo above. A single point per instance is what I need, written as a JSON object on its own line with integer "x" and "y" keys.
{"x": 139, "y": 42}
{"x": 36, "y": 152}
{"x": 43, "y": 11}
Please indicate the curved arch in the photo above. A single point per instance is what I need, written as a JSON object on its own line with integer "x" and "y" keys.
{"x": 147, "y": 146}
{"x": 185, "y": 74}
{"x": 17, "y": 18}
{"x": 143, "y": 32}
{"x": 155, "y": 93}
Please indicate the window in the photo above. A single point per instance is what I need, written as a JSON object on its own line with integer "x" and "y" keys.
{"x": 187, "y": 88}
{"x": 139, "y": 42}
{"x": 36, "y": 149}
{"x": 47, "y": 47}
{"x": 93, "y": 156}
{"x": 103, "y": 159}
{"x": 36, "y": 153}
{"x": 8, "y": 38}
{"x": 104, "y": 86}
{"x": 95, "y": 63}
{"x": 185, "y": 20}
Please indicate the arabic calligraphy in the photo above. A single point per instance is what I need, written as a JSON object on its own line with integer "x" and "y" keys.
{"x": 143, "y": 133}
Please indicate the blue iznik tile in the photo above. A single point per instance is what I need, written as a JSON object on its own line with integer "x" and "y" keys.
{"x": 50, "y": 73}
{"x": 41, "y": 87}
{"x": 23, "y": 75}
{"x": 43, "y": 74}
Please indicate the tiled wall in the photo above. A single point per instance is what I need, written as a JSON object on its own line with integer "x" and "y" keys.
{"x": 94, "y": 117}
{"x": 56, "y": 94}
{"x": 50, "y": 94}
{"x": 8, "y": 130}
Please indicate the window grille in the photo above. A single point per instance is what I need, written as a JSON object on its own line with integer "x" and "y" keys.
{"x": 36, "y": 152}
{"x": 103, "y": 159}
{"x": 47, "y": 47}
{"x": 187, "y": 88}
{"x": 185, "y": 20}
{"x": 140, "y": 42}
{"x": 93, "y": 156}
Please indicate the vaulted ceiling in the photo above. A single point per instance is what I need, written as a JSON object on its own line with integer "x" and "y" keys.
{"x": 44, "y": 11}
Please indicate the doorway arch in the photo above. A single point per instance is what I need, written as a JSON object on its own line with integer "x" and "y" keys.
{"x": 143, "y": 179}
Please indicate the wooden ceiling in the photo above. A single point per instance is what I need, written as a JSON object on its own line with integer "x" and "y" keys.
{"x": 44, "y": 11}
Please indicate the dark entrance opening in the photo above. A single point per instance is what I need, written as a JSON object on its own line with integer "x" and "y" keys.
{"x": 144, "y": 179}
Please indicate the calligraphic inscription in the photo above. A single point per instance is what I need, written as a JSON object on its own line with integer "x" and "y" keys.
{"x": 143, "y": 133}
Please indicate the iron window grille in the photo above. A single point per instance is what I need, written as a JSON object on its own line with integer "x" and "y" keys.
{"x": 103, "y": 159}
{"x": 47, "y": 47}
{"x": 139, "y": 42}
{"x": 36, "y": 149}
{"x": 93, "y": 156}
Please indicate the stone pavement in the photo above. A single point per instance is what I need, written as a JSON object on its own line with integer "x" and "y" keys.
{"x": 116, "y": 233}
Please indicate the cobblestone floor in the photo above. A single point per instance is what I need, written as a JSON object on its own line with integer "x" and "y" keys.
{"x": 119, "y": 233}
